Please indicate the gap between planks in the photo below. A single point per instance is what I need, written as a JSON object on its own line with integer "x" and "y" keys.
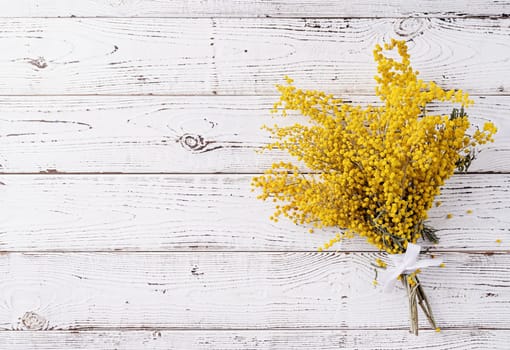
{"x": 439, "y": 16}
{"x": 247, "y": 329}
{"x": 487, "y": 252}
{"x": 218, "y": 94}
{"x": 240, "y": 173}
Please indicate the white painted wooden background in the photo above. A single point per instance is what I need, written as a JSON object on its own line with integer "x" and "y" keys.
{"x": 128, "y": 131}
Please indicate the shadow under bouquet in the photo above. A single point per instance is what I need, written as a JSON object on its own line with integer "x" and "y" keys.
{"x": 373, "y": 171}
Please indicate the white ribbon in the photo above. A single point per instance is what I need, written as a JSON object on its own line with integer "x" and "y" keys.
{"x": 406, "y": 263}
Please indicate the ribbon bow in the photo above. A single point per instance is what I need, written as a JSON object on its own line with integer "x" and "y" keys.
{"x": 406, "y": 263}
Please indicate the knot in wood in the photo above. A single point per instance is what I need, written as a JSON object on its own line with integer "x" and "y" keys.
{"x": 33, "y": 321}
{"x": 192, "y": 142}
{"x": 409, "y": 28}
{"x": 39, "y": 62}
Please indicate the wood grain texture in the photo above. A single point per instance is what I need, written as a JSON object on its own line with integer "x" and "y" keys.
{"x": 254, "y": 8}
{"x": 265, "y": 339}
{"x": 224, "y": 290}
{"x": 242, "y": 56}
{"x": 182, "y": 134}
{"x": 211, "y": 212}
{"x": 180, "y": 254}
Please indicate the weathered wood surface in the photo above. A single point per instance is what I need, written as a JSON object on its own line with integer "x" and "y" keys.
{"x": 253, "y": 8}
{"x": 239, "y": 290}
{"x": 210, "y": 212}
{"x": 262, "y": 339}
{"x": 182, "y": 134}
{"x": 240, "y": 56}
{"x": 177, "y": 256}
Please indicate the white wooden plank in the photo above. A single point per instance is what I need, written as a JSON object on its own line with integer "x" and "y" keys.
{"x": 242, "y": 55}
{"x": 224, "y": 290}
{"x": 265, "y": 339}
{"x": 115, "y": 134}
{"x": 213, "y": 212}
{"x": 198, "y": 8}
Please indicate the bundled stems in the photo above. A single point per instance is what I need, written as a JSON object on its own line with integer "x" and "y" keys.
{"x": 376, "y": 169}
{"x": 417, "y": 296}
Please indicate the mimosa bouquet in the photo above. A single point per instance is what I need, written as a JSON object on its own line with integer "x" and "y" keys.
{"x": 373, "y": 171}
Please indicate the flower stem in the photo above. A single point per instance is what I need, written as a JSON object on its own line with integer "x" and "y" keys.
{"x": 425, "y": 306}
{"x": 416, "y": 296}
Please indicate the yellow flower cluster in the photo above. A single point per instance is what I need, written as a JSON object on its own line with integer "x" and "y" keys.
{"x": 412, "y": 279}
{"x": 380, "y": 263}
{"x": 373, "y": 171}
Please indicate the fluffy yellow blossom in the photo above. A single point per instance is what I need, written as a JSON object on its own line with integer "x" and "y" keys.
{"x": 380, "y": 263}
{"x": 449, "y": 216}
{"x": 375, "y": 170}
{"x": 412, "y": 280}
